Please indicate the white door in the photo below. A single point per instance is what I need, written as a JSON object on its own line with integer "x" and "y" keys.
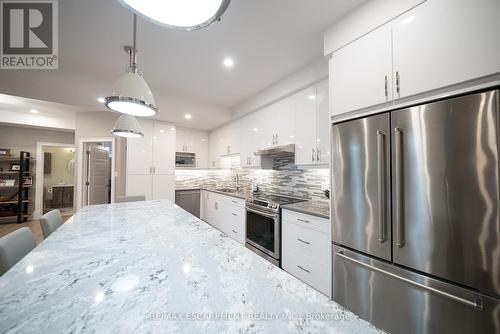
{"x": 305, "y": 126}
{"x": 140, "y": 150}
{"x": 441, "y": 43}
{"x": 360, "y": 70}
{"x": 164, "y": 186}
{"x": 322, "y": 124}
{"x": 139, "y": 185}
{"x": 283, "y": 116}
{"x": 180, "y": 140}
{"x": 99, "y": 176}
{"x": 163, "y": 148}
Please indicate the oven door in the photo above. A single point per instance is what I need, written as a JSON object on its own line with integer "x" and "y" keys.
{"x": 263, "y": 232}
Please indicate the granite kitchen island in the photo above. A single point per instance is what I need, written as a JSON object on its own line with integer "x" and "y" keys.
{"x": 148, "y": 267}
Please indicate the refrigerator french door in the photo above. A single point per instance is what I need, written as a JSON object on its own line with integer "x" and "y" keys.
{"x": 416, "y": 198}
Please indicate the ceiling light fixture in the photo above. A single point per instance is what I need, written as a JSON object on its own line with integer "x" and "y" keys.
{"x": 228, "y": 62}
{"x": 34, "y": 111}
{"x": 180, "y": 14}
{"x": 127, "y": 126}
{"x": 131, "y": 94}
{"x": 188, "y": 116}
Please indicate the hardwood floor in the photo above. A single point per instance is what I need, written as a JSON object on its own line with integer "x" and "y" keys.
{"x": 34, "y": 225}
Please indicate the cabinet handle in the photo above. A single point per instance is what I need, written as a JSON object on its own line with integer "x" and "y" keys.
{"x": 386, "y": 88}
{"x": 307, "y": 271}
{"x": 234, "y": 214}
{"x": 276, "y": 139}
{"x": 398, "y": 84}
{"x": 234, "y": 232}
{"x": 318, "y": 155}
{"x": 234, "y": 202}
{"x": 216, "y": 205}
{"x": 303, "y": 241}
{"x": 312, "y": 155}
{"x": 303, "y": 220}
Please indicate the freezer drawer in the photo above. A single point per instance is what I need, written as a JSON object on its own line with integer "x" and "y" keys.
{"x": 361, "y": 185}
{"x": 400, "y": 301}
{"x": 446, "y": 190}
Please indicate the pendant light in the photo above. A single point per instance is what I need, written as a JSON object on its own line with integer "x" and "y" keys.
{"x": 180, "y": 14}
{"x": 127, "y": 126}
{"x": 131, "y": 94}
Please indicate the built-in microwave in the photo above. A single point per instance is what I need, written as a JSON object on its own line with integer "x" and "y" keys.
{"x": 184, "y": 159}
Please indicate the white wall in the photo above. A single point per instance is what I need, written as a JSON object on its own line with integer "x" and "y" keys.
{"x": 289, "y": 85}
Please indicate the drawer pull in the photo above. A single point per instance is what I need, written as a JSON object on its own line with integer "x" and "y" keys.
{"x": 234, "y": 214}
{"x": 234, "y": 231}
{"x": 303, "y": 241}
{"x": 234, "y": 202}
{"x": 303, "y": 220}
{"x": 307, "y": 271}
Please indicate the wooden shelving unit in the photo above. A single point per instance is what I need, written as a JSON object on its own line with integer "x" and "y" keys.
{"x": 18, "y": 201}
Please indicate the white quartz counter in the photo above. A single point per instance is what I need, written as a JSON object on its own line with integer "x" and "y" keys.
{"x": 147, "y": 267}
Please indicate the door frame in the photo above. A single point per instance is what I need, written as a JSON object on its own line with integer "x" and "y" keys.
{"x": 38, "y": 211}
{"x": 80, "y": 168}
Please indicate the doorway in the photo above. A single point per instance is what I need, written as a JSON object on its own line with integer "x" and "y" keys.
{"x": 55, "y": 184}
{"x": 97, "y": 162}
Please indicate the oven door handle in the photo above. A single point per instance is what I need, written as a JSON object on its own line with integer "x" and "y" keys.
{"x": 268, "y": 215}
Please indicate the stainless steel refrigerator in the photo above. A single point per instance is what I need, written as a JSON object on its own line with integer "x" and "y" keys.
{"x": 415, "y": 216}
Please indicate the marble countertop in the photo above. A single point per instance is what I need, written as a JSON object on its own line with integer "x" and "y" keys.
{"x": 150, "y": 267}
{"x": 315, "y": 208}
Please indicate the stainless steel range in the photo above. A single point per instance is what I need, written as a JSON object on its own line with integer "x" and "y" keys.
{"x": 263, "y": 221}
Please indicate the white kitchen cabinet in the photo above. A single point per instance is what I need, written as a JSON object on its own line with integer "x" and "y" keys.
{"x": 222, "y": 142}
{"x": 278, "y": 123}
{"x": 193, "y": 141}
{"x": 225, "y": 213}
{"x": 312, "y": 145}
{"x": 362, "y": 72}
{"x": 253, "y": 131}
{"x": 140, "y": 150}
{"x": 322, "y": 123}
{"x": 151, "y": 161}
{"x": 307, "y": 249}
{"x": 434, "y": 46}
{"x": 441, "y": 43}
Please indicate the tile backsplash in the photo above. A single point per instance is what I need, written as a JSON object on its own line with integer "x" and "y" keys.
{"x": 303, "y": 183}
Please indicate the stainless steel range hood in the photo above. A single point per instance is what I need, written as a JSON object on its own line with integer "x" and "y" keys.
{"x": 278, "y": 152}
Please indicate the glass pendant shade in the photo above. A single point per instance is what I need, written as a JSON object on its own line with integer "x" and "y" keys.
{"x": 131, "y": 95}
{"x": 180, "y": 14}
{"x": 127, "y": 126}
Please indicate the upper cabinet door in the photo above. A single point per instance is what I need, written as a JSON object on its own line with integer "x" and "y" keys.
{"x": 305, "y": 126}
{"x": 361, "y": 73}
{"x": 163, "y": 147}
{"x": 140, "y": 150}
{"x": 322, "y": 124}
{"x": 446, "y": 42}
{"x": 283, "y": 117}
{"x": 180, "y": 140}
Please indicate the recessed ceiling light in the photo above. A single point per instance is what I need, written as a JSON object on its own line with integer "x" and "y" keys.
{"x": 188, "y": 116}
{"x": 101, "y": 99}
{"x": 312, "y": 97}
{"x": 34, "y": 111}
{"x": 228, "y": 62}
{"x": 255, "y": 129}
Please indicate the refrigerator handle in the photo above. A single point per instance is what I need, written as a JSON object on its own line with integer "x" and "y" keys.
{"x": 475, "y": 302}
{"x": 382, "y": 205}
{"x": 400, "y": 232}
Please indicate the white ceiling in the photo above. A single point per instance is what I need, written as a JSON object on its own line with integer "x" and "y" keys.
{"x": 268, "y": 39}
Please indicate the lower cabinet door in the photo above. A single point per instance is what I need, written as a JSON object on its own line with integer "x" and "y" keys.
{"x": 164, "y": 186}
{"x": 139, "y": 185}
{"x": 308, "y": 270}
